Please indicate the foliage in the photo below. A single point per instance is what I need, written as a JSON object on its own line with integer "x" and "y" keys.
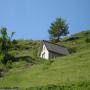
{"x": 5, "y": 41}
{"x": 57, "y": 29}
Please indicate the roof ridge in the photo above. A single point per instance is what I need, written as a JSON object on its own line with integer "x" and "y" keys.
{"x": 55, "y": 47}
{"x": 53, "y": 43}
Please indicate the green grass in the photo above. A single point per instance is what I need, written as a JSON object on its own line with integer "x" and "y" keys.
{"x": 63, "y": 73}
{"x": 25, "y": 48}
{"x": 79, "y": 44}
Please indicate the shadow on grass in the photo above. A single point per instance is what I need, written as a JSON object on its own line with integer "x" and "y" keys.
{"x": 26, "y": 58}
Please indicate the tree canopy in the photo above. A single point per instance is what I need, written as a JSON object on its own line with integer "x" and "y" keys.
{"x": 58, "y": 28}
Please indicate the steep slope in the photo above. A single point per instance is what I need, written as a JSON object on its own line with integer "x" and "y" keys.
{"x": 77, "y": 42}
{"x": 63, "y": 73}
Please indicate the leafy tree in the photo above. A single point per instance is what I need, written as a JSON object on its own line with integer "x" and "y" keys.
{"x": 5, "y": 41}
{"x": 57, "y": 29}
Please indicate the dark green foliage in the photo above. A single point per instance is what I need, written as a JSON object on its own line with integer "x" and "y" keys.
{"x": 6, "y": 43}
{"x": 57, "y": 29}
{"x": 14, "y": 41}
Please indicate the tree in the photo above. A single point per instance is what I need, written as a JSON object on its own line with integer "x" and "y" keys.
{"x": 57, "y": 29}
{"x": 5, "y": 41}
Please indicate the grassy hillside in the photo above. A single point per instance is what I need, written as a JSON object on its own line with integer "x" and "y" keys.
{"x": 26, "y": 50}
{"x": 63, "y": 73}
{"x": 77, "y": 42}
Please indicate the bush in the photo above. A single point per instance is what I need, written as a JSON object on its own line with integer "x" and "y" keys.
{"x": 5, "y": 58}
{"x": 14, "y": 41}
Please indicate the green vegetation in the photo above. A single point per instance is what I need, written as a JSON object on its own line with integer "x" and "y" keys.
{"x": 63, "y": 73}
{"x": 77, "y": 42}
{"x": 5, "y": 44}
{"x": 57, "y": 29}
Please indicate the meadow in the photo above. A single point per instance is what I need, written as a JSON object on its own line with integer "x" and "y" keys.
{"x": 70, "y": 72}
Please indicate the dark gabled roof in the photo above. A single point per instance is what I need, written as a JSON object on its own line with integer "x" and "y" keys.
{"x": 56, "y": 48}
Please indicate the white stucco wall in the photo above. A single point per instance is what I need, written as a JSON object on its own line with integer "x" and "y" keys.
{"x": 44, "y": 53}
